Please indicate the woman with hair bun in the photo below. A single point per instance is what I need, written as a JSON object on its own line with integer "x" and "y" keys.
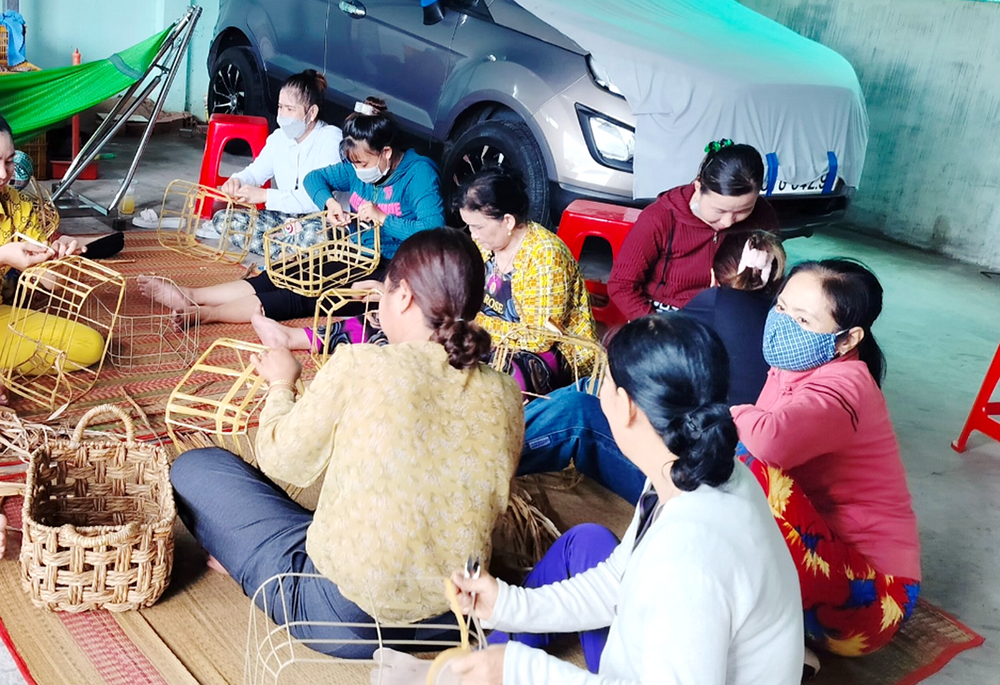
{"x": 666, "y": 259}
{"x": 301, "y": 143}
{"x": 416, "y": 442}
{"x": 701, "y": 589}
{"x": 825, "y": 451}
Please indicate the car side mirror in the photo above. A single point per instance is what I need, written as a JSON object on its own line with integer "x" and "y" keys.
{"x": 433, "y": 11}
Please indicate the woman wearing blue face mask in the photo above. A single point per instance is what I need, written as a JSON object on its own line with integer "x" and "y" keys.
{"x": 303, "y": 142}
{"x": 824, "y": 450}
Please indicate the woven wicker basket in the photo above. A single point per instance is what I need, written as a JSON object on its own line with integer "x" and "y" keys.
{"x": 98, "y": 522}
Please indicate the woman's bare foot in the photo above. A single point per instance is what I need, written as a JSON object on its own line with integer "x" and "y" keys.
{"x": 275, "y": 335}
{"x": 214, "y": 564}
{"x": 165, "y": 292}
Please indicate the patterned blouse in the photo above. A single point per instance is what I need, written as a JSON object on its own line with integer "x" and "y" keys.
{"x": 545, "y": 285}
{"x": 418, "y": 457}
{"x": 18, "y": 215}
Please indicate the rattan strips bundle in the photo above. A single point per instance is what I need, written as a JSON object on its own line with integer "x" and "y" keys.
{"x": 97, "y": 522}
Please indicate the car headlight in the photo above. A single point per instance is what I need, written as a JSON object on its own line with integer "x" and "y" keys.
{"x": 611, "y": 142}
{"x": 601, "y": 76}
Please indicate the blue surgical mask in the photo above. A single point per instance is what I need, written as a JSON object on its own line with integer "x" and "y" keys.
{"x": 292, "y": 127}
{"x": 789, "y": 346}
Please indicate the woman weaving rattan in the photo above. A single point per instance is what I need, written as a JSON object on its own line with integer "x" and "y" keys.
{"x": 418, "y": 441}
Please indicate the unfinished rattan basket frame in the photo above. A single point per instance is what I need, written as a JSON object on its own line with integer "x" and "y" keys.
{"x": 43, "y": 206}
{"x": 334, "y": 263}
{"x": 98, "y": 521}
{"x": 185, "y": 202}
{"x": 272, "y": 651}
{"x": 505, "y": 345}
{"x": 219, "y": 396}
{"x": 325, "y": 316}
{"x": 73, "y": 289}
{"x": 173, "y": 337}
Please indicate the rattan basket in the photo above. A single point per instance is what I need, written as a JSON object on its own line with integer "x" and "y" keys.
{"x": 98, "y": 522}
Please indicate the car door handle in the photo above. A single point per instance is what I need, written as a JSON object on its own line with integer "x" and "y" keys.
{"x": 355, "y": 10}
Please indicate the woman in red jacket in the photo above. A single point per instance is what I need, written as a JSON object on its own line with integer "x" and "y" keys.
{"x": 825, "y": 452}
{"x": 667, "y": 257}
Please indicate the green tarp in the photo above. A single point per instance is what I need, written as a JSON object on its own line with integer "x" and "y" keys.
{"x": 34, "y": 101}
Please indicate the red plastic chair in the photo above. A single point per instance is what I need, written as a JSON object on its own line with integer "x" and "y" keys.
{"x": 982, "y": 409}
{"x": 223, "y": 129}
{"x": 588, "y": 219}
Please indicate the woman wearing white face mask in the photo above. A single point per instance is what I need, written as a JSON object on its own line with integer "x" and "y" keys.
{"x": 824, "y": 450}
{"x": 303, "y": 142}
{"x": 389, "y": 186}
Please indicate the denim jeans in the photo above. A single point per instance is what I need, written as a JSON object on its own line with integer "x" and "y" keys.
{"x": 257, "y": 531}
{"x": 569, "y": 427}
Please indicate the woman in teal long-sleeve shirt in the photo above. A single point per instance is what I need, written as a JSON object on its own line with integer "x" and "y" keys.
{"x": 396, "y": 189}
{"x": 388, "y": 186}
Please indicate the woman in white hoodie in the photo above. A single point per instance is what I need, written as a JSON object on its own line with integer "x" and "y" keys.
{"x": 702, "y": 589}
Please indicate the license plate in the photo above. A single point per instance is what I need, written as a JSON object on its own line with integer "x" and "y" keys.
{"x": 811, "y": 188}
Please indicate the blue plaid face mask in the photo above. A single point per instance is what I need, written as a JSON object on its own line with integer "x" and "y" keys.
{"x": 789, "y": 346}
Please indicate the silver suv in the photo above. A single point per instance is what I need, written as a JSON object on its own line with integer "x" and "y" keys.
{"x": 488, "y": 83}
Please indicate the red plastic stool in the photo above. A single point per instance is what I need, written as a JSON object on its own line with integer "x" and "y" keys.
{"x": 222, "y": 129}
{"x": 585, "y": 219}
{"x": 982, "y": 409}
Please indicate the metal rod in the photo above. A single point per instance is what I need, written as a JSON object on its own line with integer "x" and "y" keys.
{"x": 195, "y": 13}
{"x": 107, "y": 131}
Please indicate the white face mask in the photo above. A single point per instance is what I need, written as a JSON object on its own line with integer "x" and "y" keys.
{"x": 371, "y": 175}
{"x": 291, "y": 127}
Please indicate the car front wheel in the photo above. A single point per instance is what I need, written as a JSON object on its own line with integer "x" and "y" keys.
{"x": 504, "y": 143}
{"x": 235, "y": 84}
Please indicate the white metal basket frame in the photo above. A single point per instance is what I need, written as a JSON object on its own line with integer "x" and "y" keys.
{"x": 178, "y": 333}
{"x": 271, "y": 648}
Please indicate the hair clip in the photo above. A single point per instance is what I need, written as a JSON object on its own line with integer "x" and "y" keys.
{"x": 752, "y": 258}
{"x": 365, "y": 109}
{"x": 717, "y": 145}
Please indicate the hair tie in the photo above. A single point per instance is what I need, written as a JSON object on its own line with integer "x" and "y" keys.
{"x": 717, "y": 145}
{"x": 458, "y": 318}
{"x": 692, "y": 427}
{"x": 753, "y": 258}
{"x": 365, "y": 109}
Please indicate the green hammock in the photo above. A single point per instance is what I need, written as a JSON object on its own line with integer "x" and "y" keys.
{"x": 34, "y": 101}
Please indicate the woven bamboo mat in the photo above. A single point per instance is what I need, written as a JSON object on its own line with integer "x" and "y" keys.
{"x": 149, "y": 386}
{"x": 198, "y": 631}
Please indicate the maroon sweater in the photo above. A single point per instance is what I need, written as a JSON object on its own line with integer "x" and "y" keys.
{"x": 668, "y": 254}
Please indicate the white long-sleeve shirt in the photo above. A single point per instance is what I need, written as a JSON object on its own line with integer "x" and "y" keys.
{"x": 710, "y": 597}
{"x": 287, "y": 163}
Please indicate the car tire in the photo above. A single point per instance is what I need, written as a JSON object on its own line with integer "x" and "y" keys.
{"x": 507, "y": 143}
{"x": 235, "y": 84}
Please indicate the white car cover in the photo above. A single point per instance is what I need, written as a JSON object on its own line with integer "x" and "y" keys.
{"x": 694, "y": 71}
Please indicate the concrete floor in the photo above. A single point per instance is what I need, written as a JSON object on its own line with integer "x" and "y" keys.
{"x": 939, "y": 330}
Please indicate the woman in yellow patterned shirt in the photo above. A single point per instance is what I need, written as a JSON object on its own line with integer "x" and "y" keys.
{"x": 416, "y": 442}
{"x": 17, "y": 215}
{"x": 531, "y": 278}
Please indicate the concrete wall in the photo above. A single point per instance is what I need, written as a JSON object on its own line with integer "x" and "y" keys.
{"x": 99, "y": 28}
{"x": 930, "y": 70}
